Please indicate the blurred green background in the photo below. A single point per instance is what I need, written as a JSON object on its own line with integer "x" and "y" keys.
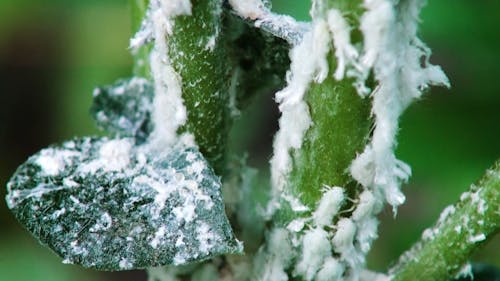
{"x": 54, "y": 52}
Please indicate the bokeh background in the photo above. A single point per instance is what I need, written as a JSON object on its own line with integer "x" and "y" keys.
{"x": 54, "y": 52}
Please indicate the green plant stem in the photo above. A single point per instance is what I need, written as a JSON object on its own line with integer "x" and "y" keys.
{"x": 441, "y": 255}
{"x": 340, "y": 130}
{"x": 204, "y": 69}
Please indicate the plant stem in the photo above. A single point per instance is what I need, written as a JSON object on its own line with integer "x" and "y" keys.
{"x": 340, "y": 130}
{"x": 445, "y": 248}
{"x": 197, "y": 54}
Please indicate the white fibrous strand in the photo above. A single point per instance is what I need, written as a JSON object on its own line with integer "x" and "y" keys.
{"x": 308, "y": 63}
{"x": 345, "y": 53}
{"x": 394, "y": 53}
{"x": 169, "y": 112}
{"x": 281, "y": 26}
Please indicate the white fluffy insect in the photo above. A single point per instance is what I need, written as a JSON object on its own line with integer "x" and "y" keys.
{"x": 367, "y": 206}
{"x": 332, "y": 269}
{"x": 367, "y": 233}
{"x": 329, "y": 206}
{"x": 316, "y": 248}
{"x": 344, "y": 237}
{"x": 277, "y": 257}
{"x": 343, "y": 242}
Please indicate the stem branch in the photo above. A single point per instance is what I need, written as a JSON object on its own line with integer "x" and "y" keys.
{"x": 445, "y": 248}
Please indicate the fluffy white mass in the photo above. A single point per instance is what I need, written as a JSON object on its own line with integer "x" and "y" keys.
{"x": 394, "y": 53}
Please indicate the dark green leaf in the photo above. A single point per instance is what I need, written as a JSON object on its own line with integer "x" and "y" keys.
{"x": 125, "y": 108}
{"x": 110, "y": 205}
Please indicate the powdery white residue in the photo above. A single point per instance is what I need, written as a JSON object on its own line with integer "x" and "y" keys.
{"x": 77, "y": 249}
{"x": 394, "y": 52}
{"x": 316, "y": 248}
{"x": 52, "y": 162}
{"x": 185, "y": 212}
{"x": 308, "y": 62}
{"x": 114, "y": 156}
{"x": 328, "y": 206}
{"x": 191, "y": 188}
{"x": 206, "y": 238}
{"x": 277, "y": 256}
{"x": 50, "y": 165}
{"x": 104, "y": 223}
{"x": 163, "y": 189}
{"x": 345, "y": 52}
{"x": 159, "y": 236}
{"x": 125, "y": 264}
{"x": 179, "y": 259}
{"x": 59, "y": 213}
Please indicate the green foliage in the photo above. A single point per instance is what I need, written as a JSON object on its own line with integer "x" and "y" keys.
{"x": 321, "y": 162}
{"x": 105, "y": 204}
{"x": 124, "y": 109}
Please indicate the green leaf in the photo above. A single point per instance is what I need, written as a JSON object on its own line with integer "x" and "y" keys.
{"x": 125, "y": 108}
{"x": 110, "y": 205}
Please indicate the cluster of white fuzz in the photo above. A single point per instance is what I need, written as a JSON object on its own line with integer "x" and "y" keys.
{"x": 400, "y": 64}
{"x": 394, "y": 53}
{"x": 169, "y": 112}
{"x": 324, "y": 249}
